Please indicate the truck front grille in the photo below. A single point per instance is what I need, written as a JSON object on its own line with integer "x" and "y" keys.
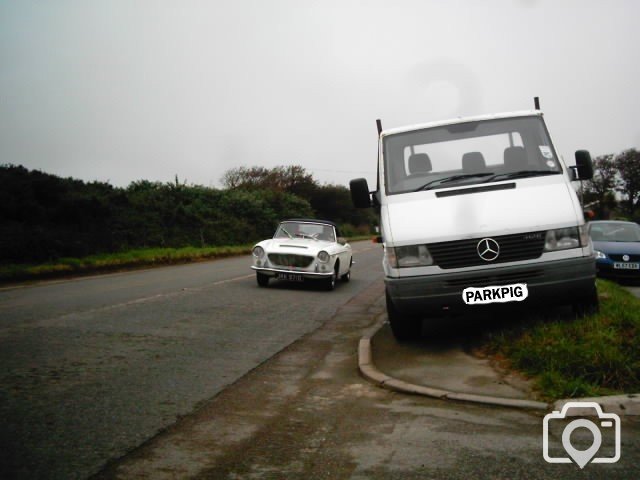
{"x": 464, "y": 253}
{"x": 493, "y": 280}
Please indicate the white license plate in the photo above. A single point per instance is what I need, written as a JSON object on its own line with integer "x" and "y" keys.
{"x": 627, "y": 266}
{"x": 290, "y": 277}
{"x": 516, "y": 292}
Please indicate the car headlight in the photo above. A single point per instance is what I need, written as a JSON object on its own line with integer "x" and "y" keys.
{"x": 599, "y": 255}
{"x": 258, "y": 251}
{"x": 562, "y": 239}
{"x": 323, "y": 256}
{"x": 409, "y": 256}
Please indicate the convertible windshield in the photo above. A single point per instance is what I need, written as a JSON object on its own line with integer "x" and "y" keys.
{"x": 614, "y": 232}
{"x": 467, "y": 153}
{"x": 315, "y": 231}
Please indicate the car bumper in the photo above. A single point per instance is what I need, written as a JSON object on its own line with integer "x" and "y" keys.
{"x": 272, "y": 272}
{"x": 559, "y": 281}
{"x": 605, "y": 269}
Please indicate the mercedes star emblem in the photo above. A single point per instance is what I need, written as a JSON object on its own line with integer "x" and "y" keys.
{"x": 488, "y": 249}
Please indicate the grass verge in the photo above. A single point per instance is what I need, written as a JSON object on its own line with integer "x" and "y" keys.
{"x": 581, "y": 357}
{"x": 143, "y": 257}
{"x": 117, "y": 261}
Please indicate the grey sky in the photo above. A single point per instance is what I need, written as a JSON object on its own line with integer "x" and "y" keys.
{"x": 124, "y": 90}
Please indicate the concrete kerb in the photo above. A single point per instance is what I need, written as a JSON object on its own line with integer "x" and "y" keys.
{"x": 370, "y": 372}
{"x": 627, "y": 404}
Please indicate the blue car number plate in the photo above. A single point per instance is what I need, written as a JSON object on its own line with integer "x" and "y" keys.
{"x": 290, "y": 277}
{"x": 626, "y": 266}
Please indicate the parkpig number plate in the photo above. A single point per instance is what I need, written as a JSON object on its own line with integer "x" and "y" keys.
{"x": 495, "y": 294}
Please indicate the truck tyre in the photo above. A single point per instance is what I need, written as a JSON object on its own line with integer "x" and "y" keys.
{"x": 587, "y": 304}
{"x": 404, "y": 327}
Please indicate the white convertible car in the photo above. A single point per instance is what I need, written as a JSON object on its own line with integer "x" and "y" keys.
{"x": 303, "y": 249}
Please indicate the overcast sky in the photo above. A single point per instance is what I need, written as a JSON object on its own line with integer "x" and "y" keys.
{"x": 125, "y": 90}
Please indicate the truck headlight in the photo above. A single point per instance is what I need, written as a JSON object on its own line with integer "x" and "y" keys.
{"x": 409, "y": 256}
{"x": 562, "y": 239}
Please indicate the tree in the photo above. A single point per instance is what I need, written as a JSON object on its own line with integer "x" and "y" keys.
{"x": 291, "y": 179}
{"x": 628, "y": 164}
{"x": 605, "y": 179}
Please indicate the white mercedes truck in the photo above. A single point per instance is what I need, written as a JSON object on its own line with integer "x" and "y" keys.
{"x": 478, "y": 211}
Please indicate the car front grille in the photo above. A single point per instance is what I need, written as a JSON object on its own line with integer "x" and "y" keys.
{"x": 290, "y": 260}
{"x": 618, "y": 258}
{"x": 464, "y": 253}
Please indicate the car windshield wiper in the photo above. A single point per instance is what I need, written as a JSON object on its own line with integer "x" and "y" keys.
{"x": 304, "y": 235}
{"x": 522, "y": 173}
{"x": 452, "y": 178}
{"x": 285, "y": 231}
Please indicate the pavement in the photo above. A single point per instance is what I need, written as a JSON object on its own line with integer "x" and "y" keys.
{"x": 446, "y": 366}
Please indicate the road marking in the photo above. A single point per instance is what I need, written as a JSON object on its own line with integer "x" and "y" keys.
{"x": 220, "y": 282}
{"x": 184, "y": 289}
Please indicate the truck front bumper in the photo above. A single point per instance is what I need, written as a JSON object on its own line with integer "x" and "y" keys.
{"x": 560, "y": 281}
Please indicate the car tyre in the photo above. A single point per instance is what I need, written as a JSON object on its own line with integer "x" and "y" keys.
{"x": 587, "y": 304}
{"x": 263, "y": 280}
{"x": 404, "y": 327}
{"x": 331, "y": 281}
{"x": 347, "y": 276}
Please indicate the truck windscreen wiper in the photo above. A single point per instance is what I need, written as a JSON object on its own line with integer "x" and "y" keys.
{"x": 521, "y": 174}
{"x": 452, "y": 178}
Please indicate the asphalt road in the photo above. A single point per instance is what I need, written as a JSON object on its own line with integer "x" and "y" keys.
{"x": 307, "y": 414}
{"x": 91, "y": 368}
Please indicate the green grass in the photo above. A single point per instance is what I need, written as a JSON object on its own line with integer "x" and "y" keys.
{"x": 143, "y": 257}
{"x": 578, "y": 357}
{"x": 116, "y": 261}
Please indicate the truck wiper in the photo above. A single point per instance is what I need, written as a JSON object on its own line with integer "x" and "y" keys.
{"x": 452, "y": 178}
{"x": 522, "y": 173}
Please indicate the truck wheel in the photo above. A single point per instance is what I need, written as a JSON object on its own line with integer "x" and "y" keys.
{"x": 587, "y": 304}
{"x": 404, "y": 327}
{"x": 263, "y": 280}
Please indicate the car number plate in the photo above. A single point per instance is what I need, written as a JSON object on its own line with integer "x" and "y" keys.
{"x": 290, "y": 277}
{"x": 516, "y": 292}
{"x": 627, "y": 266}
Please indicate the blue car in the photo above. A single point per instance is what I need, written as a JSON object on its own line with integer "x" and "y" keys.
{"x": 617, "y": 248}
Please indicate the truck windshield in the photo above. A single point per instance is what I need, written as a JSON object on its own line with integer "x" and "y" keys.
{"x": 467, "y": 153}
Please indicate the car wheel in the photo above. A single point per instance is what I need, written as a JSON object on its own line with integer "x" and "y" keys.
{"x": 347, "y": 276}
{"x": 587, "y": 304}
{"x": 404, "y": 327}
{"x": 331, "y": 281}
{"x": 263, "y": 280}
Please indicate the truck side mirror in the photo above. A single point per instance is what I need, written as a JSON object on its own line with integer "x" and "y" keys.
{"x": 360, "y": 193}
{"x": 584, "y": 165}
